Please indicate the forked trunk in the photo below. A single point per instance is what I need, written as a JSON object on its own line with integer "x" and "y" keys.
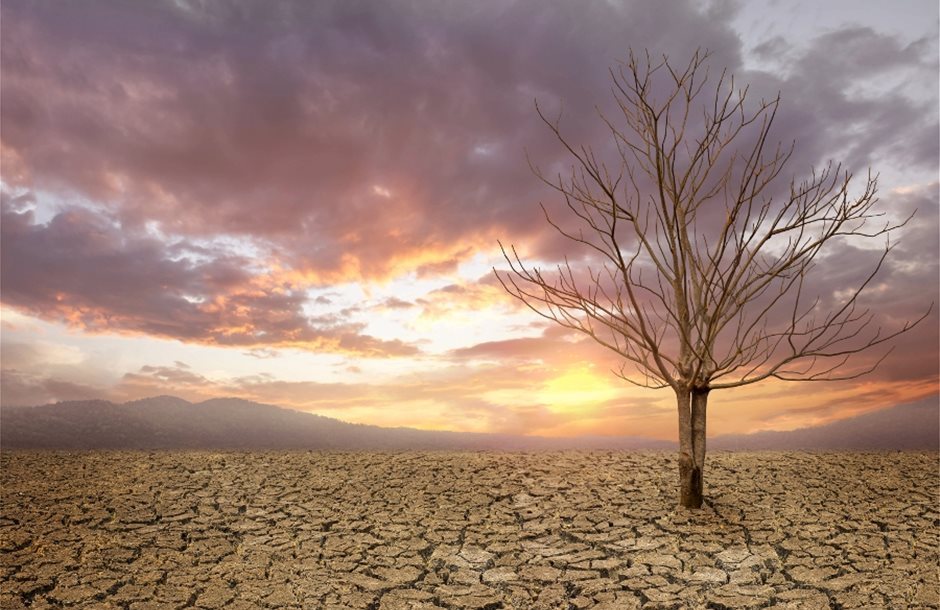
{"x": 692, "y": 405}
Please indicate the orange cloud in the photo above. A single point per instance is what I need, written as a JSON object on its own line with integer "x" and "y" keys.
{"x": 465, "y": 297}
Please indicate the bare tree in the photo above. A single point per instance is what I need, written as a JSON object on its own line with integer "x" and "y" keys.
{"x": 699, "y": 255}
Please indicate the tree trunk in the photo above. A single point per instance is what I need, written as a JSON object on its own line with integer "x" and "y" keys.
{"x": 686, "y": 461}
{"x": 699, "y": 403}
{"x": 691, "y": 406}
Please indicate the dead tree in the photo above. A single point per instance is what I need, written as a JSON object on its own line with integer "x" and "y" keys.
{"x": 698, "y": 255}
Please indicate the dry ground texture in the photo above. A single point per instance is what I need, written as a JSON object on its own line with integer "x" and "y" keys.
{"x": 476, "y": 530}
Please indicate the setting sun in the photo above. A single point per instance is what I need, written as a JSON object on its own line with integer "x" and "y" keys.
{"x": 580, "y": 390}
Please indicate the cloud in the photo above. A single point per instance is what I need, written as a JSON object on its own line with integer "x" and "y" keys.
{"x": 857, "y": 96}
{"x": 21, "y": 388}
{"x": 84, "y": 268}
{"x": 556, "y": 346}
{"x": 262, "y": 353}
{"x": 366, "y": 142}
{"x": 395, "y": 303}
{"x": 177, "y": 375}
{"x": 349, "y": 141}
{"x": 40, "y": 371}
{"x": 465, "y": 297}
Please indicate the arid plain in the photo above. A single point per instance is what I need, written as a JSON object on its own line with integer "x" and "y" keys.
{"x": 142, "y": 531}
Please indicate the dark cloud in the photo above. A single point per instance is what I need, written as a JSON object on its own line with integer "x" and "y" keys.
{"x": 844, "y": 99}
{"x": 354, "y": 139}
{"x": 346, "y": 138}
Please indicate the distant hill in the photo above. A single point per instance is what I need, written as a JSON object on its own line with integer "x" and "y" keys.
{"x": 167, "y": 422}
{"x": 907, "y": 427}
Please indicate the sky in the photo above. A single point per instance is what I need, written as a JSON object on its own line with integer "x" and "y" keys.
{"x": 300, "y": 203}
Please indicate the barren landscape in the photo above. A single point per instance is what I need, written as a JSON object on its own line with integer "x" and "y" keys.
{"x": 387, "y": 531}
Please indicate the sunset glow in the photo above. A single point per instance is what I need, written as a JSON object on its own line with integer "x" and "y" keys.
{"x": 578, "y": 390}
{"x": 302, "y": 204}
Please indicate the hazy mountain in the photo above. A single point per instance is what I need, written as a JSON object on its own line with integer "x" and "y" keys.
{"x": 167, "y": 422}
{"x": 910, "y": 426}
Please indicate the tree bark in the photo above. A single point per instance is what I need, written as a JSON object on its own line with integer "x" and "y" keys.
{"x": 699, "y": 403}
{"x": 689, "y": 477}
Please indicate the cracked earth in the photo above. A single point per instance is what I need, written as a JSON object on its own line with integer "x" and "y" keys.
{"x": 141, "y": 531}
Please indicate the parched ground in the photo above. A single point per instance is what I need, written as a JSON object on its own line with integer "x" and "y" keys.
{"x": 475, "y": 530}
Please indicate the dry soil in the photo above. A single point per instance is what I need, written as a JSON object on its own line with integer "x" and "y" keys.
{"x": 142, "y": 531}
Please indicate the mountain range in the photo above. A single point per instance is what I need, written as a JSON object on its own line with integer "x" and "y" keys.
{"x": 910, "y": 426}
{"x": 167, "y": 422}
